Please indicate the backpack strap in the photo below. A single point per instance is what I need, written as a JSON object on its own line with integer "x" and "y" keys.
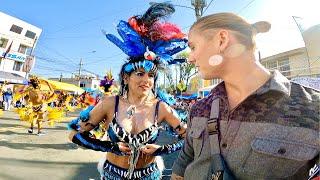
{"x": 213, "y": 127}
{"x": 219, "y": 167}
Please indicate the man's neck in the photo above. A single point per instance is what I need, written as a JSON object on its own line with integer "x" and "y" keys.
{"x": 244, "y": 82}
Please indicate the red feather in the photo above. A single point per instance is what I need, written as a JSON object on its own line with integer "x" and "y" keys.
{"x": 165, "y": 31}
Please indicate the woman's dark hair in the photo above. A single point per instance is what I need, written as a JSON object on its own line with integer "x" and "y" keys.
{"x": 34, "y": 83}
{"x": 124, "y": 87}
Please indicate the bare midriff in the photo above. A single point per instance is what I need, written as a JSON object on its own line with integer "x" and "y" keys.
{"x": 123, "y": 161}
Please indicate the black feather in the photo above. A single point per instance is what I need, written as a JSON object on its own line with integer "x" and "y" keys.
{"x": 155, "y": 12}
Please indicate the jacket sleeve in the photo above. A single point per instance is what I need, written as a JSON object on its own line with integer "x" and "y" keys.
{"x": 186, "y": 155}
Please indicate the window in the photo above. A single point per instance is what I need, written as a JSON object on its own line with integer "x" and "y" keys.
{"x": 16, "y": 29}
{"x": 23, "y": 49}
{"x": 284, "y": 67}
{"x": 272, "y": 65}
{"x": 264, "y": 64}
{"x": 3, "y": 42}
{"x": 82, "y": 84}
{"x": 17, "y": 66}
{"x": 30, "y": 34}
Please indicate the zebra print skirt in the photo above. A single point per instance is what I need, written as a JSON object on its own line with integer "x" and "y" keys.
{"x": 113, "y": 172}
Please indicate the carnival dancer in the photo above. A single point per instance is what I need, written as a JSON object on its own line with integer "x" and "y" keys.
{"x": 85, "y": 100}
{"x": 107, "y": 83}
{"x": 36, "y": 109}
{"x": 133, "y": 116}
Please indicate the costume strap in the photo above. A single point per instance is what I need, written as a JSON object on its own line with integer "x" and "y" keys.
{"x": 169, "y": 148}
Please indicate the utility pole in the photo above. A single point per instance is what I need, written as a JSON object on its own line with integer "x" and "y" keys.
{"x": 79, "y": 75}
{"x": 60, "y": 79}
{"x": 198, "y": 7}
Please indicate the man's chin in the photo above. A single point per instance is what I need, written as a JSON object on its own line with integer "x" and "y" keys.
{"x": 206, "y": 76}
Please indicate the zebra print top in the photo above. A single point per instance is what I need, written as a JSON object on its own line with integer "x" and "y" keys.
{"x": 146, "y": 136}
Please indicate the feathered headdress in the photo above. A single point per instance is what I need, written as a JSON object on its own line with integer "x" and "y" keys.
{"x": 34, "y": 81}
{"x": 107, "y": 81}
{"x": 147, "y": 40}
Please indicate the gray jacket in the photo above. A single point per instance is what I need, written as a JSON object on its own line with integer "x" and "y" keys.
{"x": 273, "y": 134}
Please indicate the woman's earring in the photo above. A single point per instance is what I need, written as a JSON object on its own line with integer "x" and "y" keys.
{"x": 125, "y": 91}
{"x": 215, "y": 60}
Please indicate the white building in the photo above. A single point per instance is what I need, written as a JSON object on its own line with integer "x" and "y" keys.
{"x": 87, "y": 81}
{"x": 17, "y": 41}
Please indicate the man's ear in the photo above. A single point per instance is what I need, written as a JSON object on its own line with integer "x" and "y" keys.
{"x": 224, "y": 39}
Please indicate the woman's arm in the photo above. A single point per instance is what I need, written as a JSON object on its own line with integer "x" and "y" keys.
{"x": 103, "y": 110}
{"x": 167, "y": 114}
{"x": 81, "y": 126}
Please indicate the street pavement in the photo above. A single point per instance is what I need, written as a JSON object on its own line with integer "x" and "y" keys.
{"x": 51, "y": 156}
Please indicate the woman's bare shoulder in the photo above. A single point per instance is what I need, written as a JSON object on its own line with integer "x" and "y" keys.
{"x": 108, "y": 101}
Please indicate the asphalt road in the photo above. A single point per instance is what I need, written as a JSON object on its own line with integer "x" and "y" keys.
{"x": 51, "y": 156}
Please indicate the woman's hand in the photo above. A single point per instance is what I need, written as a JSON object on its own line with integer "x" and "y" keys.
{"x": 124, "y": 148}
{"x": 71, "y": 134}
{"x": 149, "y": 148}
{"x": 86, "y": 126}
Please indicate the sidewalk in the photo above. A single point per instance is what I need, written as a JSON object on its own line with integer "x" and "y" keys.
{"x": 52, "y": 156}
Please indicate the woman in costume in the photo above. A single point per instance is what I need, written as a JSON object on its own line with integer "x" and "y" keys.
{"x": 37, "y": 99}
{"x": 107, "y": 83}
{"x": 133, "y": 116}
{"x": 108, "y": 87}
{"x": 85, "y": 99}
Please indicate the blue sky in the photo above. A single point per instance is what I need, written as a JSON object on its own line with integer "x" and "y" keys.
{"x": 72, "y": 28}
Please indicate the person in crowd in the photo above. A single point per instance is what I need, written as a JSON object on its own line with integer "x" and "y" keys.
{"x": 133, "y": 117}
{"x": 256, "y": 124}
{"x": 7, "y": 97}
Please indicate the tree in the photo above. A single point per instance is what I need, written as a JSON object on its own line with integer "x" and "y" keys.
{"x": 186, "y": 69}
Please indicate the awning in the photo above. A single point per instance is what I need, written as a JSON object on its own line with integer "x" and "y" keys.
{"x": 12, "y": 78}
{"x": 65, "y": 87}
{"x": 188, "y": 97}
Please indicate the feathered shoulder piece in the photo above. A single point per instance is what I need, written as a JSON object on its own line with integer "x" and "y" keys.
{"x": 148, "y": 36}
{"x": 165, "y": 97}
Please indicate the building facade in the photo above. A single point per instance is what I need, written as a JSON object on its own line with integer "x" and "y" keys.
{"x": 294, "y": 63}
{"x": 87, "y": 81}
{"x": 17, "y": 42}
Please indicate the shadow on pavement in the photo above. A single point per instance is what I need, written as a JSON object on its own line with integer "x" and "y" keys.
{"x": 9, "y": 119}
{"x": 87, "y": 171}
{"x": 47, "y": 170}
{"x": 29, "y": 146}
{"x": 10, "y": 125}
{"x": 12, "y": 133}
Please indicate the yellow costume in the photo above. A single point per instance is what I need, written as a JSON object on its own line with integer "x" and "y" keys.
{"x": 36, "y": 109}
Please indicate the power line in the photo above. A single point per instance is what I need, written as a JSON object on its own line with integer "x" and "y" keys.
{"x": 58, "y": 53}
{"x": 96, "y": 61}
{"x": 89, "y": 20}
{"x": 208, "y": 6}
{"x": 53, "y": 61}
{"x": 71, "y": 37}
{"x": 245, "y": 6}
